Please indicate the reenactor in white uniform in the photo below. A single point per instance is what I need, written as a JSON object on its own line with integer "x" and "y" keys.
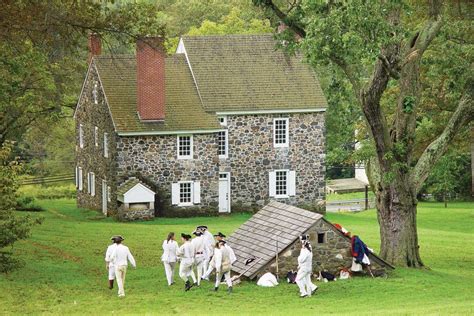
{"x": 223, "y": 266}
{"x": 209, "y": 241}
{"x": 305, "y": 268}
{"x": 169, "y": 257}
{"x": 200, "y": 254}
{"x": 108, "y": 262}
{"x": 186, "y": 257}
{"x": 121, "y": 255}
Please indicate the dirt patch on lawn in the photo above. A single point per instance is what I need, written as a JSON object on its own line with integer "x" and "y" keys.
{"x": 57, "y": 252}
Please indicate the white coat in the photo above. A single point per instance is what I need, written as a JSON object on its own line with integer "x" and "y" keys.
{"x": 121, "y": 255}
{"x": 186, "y": 253}
{"x": 305, "y": 261}
{"x": 170, "y": 249}
{"x": 210, "y": 242}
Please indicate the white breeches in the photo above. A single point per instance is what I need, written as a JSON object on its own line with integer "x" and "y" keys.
{"x": 120, "y": 273}
{"x": 169, "y": 270}
{"x": 199, "y": 263}
{"x": 111, "y": 272}
{"x": 303, "y": 279}
{"x": 186, "y": 271}
{"x": 226, "y": 276}
{"x": 209, "y": 269}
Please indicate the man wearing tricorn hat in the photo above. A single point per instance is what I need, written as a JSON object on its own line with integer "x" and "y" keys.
{"x": 305, "y": 268}
{"x": 209, "y": 243}
{"x": 223, "y": 265}
{"x": 108, "y": 262}
{"x": 200, "y": 254}
{"x": 121, "y": 255}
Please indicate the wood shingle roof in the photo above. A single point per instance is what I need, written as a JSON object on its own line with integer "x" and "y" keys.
{"x": 257, "y": 238}
{"x": 249, "y": 72}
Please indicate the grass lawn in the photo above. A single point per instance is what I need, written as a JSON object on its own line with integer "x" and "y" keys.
{"x": 65, "y": 273}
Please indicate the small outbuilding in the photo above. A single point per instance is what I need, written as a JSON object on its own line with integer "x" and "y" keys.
{"x": 136, "y": 200}
{"x": 274, "y": 232}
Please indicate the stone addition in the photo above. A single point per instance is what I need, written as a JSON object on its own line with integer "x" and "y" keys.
{"x": 252, "y": 155}
{"x": 92, "y": 111}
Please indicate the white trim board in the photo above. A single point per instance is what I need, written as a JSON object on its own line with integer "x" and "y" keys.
{"x": 210, "y": 131}
{"x": 282, "y": 111}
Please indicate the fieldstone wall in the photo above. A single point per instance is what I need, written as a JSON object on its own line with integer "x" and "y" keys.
{"x": 91, "y": 157}
{"x": 134, "y": 215}
{"x": 331, "y": 255}
{"x": 252, "y": 156}
{"x": 155, "y": 158}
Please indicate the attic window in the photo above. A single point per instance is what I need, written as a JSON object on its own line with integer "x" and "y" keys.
{"x": 185, "y": 146}
{"x": 95, "y": 93}
{"x": 321, "y": 238}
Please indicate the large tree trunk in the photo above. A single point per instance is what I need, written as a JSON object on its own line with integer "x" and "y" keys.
{"x": 396, "y": 212}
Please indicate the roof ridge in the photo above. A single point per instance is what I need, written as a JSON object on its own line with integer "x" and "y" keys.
{"x": 227, "y": 35}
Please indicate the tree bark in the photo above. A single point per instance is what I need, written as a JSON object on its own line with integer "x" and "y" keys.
{"x": 396, "y": 213}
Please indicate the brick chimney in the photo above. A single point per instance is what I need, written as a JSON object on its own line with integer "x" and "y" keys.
{"x": 151, "y": 78}
{"x": 95, "y": 46}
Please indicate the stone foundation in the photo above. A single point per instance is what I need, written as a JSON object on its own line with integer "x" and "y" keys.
{"x": 136, "y": 215}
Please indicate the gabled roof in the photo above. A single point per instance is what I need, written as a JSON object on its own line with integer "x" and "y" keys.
{"x": 183, "y": 110}
{"x": 129, "y": 184}
{"x": 248, "y": 72}
{"x": 258, "y": 236}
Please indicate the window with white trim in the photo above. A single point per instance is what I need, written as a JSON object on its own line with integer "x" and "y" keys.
{"x": 91, "y": 183}
{"x": 222, "y": 144}
{"x": 106, "y": 145}
{"x": 96, "y": 136}
{"x": 185, "y": 193}
{"x": 185, "y": 146}
{"x": 282, "y": 183}
{"x": 280, "y": 132}
{"x": 81, "y": 136}
{"x": 281, "y": 178}
{"x": 79, "y": 178}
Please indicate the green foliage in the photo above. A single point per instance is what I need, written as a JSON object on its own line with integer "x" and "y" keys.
{"x": 12, "y": 227}
{"x": 56, "y": 191}
{"x": 450, "y": 177}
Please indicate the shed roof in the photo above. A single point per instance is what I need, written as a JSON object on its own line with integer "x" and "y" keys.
{"x": 249, "y": 72}
{"x": 258, "y": 236}
{"x": 183, "y": 109}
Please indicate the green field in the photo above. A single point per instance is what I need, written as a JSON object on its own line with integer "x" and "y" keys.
{"x": 65, "y": 273}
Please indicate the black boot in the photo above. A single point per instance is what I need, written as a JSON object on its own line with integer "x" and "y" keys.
{"x": 216, "y": 288}
{"x": 229, "y": 289}
{"x": 187, "y": 286}
{"x": 111, "y": 284}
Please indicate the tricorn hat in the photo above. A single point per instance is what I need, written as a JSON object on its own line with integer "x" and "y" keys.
{"x": 202, "y": 227}
{"x": 197, "y": 232}
{"x": 219, "y": 234}
{"x": 186, "y": 236}
{"x": 117, "y": 238}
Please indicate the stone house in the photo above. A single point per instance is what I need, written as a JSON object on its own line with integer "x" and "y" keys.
{"x": 274, "y": 232}
{"x": 225, "y": 123}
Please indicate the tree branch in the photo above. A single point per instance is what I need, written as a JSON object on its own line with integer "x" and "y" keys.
{"x": 461, "y": 117}
{"x": 292, "y": 25}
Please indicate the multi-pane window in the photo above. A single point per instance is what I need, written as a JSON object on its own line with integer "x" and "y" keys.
{"x": 106, "y": 145}
{"x": 280, "y": 132}
{"x": 81, "y": 136}
{"x": 185, "y": 193}
{"x": 185, "y": 147}
{"x": 281, "y": 184}
{"x": 96, "y": 136}
{"x": 222, "y": 144}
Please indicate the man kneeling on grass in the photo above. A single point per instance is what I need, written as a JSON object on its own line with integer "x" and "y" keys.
{"x": 121, "y": 255}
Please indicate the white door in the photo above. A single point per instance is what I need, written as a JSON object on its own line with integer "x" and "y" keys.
{"x": 224, "y": 192}
{"x": 104, "y": 197}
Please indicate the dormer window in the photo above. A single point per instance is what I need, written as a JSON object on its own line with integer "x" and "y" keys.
{"x": 95, "y": 93}
{"x": 280, "y": 132}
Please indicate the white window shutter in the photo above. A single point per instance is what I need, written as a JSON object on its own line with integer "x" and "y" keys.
{"x": 291, "y": 183}
{"x": 175, "y": 193}
{"x": 272, "y": 183}
{"x": 77, "y": 177}
{"x": 197, "y": 192}
{"x": 92, "y": 184}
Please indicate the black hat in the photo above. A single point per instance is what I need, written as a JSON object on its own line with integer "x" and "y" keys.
{"x": 197, "y": 232}
{"x": 304, "y": 237}
{"x": 219, "y": 234}
{"x": 117, "y": 238}
{"x": 222, "y": 242}
{"x": 186, "y": 236}
{"x": 202, "y": 227}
